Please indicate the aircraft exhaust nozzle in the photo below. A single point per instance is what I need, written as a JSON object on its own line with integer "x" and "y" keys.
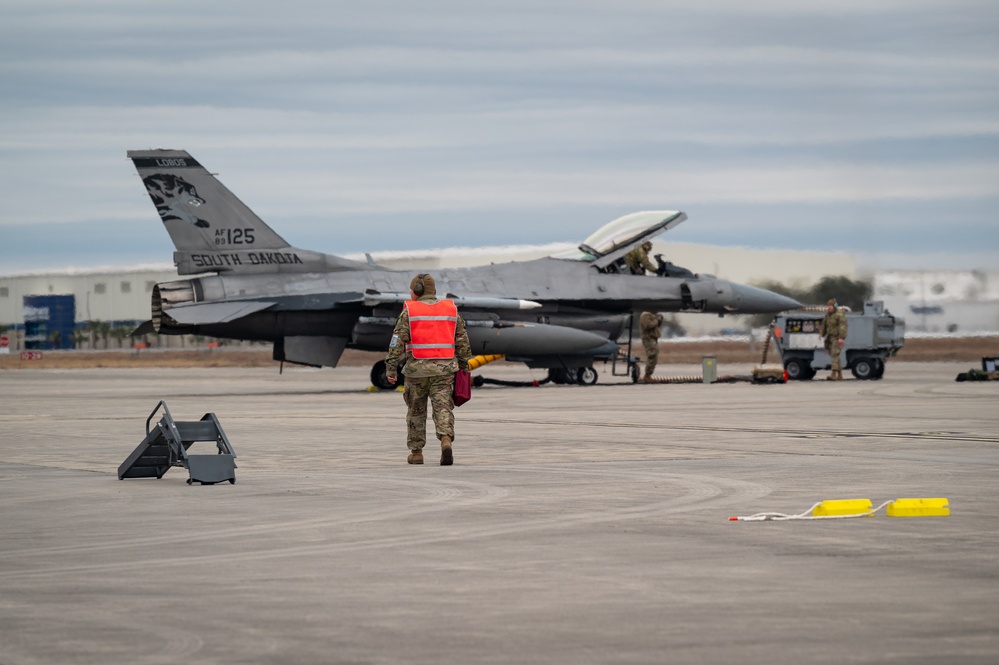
{"x": 166, "y": 295}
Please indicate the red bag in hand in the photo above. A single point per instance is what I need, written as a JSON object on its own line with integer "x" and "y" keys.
{"x": 462, "y": 387}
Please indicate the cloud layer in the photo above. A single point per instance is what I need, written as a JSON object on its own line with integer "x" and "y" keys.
{"x": 346, "y": 124}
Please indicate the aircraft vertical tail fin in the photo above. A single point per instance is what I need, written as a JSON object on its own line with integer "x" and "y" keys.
{"x": 211, "y": 228}
{"x": 199, "y": 212}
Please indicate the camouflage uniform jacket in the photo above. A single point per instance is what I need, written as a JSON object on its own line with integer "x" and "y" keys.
{"x": 638, "y": 260}
{"x": 650, "y": 323}
{"x": 834, "y": 325}
{"x": 420, "y": 367}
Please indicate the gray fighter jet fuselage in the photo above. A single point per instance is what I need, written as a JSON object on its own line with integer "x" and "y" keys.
{"x": 559, "y": 311}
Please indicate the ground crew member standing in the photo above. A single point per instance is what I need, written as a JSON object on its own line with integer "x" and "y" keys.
{"x": 431, "y": 339}
{"x": 638, "y": 259}
{"x": 650, "y": 323}
{"x": 833, "y": 329}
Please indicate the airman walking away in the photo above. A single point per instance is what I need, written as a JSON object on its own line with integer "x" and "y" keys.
{"x": 650, "y": 324}
{"x": 638, "y": 259}
{"x": 833, "y": 329}
{"x": 430, "y": 338}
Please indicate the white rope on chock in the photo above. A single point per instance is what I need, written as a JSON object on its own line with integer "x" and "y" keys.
{"x": 781, "y": 517}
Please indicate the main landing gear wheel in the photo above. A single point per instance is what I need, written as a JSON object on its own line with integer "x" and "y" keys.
{"x": 380, "y": 380}
{"x": 560, "y": 376}
{"x": 586, "y": 376}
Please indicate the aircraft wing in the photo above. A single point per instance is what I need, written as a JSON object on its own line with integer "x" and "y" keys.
{"x": 215, "y": 312}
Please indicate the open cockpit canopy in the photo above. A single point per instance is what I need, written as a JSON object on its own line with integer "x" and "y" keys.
{"x": 615, "y": 239}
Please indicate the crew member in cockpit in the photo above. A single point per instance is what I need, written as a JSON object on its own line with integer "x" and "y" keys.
{"x": 638, "y": 259}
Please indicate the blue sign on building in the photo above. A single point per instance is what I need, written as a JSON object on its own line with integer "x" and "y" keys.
{"x": 49, "y": 322}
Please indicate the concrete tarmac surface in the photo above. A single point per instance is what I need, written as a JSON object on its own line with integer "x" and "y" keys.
{"x": 578, "y": 524}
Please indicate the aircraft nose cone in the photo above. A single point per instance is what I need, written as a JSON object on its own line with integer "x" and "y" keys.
{"x": 754, "y": 300}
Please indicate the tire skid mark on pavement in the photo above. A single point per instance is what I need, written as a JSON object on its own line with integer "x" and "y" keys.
{"x": 698, "y": 492}
{"x": 459, "y": 494}
{"x": 930, "y": 436}
{"x": 154, "y": 642}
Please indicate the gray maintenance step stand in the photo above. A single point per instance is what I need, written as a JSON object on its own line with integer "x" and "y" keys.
{"x": 166, "y": 445}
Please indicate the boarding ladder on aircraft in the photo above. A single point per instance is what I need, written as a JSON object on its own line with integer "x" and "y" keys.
{"x": 166, "y": 446}
{"x": 625, "y": 356}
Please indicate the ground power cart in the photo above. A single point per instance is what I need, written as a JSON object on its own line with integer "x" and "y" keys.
{"x": 871, "y": 337}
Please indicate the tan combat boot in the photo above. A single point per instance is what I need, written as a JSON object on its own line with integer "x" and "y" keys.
{"x": 415, "y": 457}
{"x": 447, "y": 458}
{"x": 647, "y": 378}
{"x": 838, "y": 375}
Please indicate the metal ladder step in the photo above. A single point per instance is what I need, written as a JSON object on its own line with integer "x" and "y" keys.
{"x": 166, "y": 446}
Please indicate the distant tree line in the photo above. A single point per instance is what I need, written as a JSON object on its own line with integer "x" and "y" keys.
{"x": 100, "y": 335}
{"x": 848, "y": 293}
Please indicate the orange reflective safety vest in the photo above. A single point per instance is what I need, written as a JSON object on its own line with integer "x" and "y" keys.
{"x": 431, "y": 328}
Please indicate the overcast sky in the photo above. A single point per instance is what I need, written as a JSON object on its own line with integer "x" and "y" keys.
{"x": 859, "y": 126}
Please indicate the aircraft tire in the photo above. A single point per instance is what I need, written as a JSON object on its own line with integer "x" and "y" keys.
{"x": 560, "y": 376}
{"x": 586, "y": 376}
{"x": 380, "y": 380}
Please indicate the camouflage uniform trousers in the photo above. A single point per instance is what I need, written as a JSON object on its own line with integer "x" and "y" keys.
{"x": 835, "y": 357}
{"x": 651, "y": 345}
{"x": 439, "y": 390}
